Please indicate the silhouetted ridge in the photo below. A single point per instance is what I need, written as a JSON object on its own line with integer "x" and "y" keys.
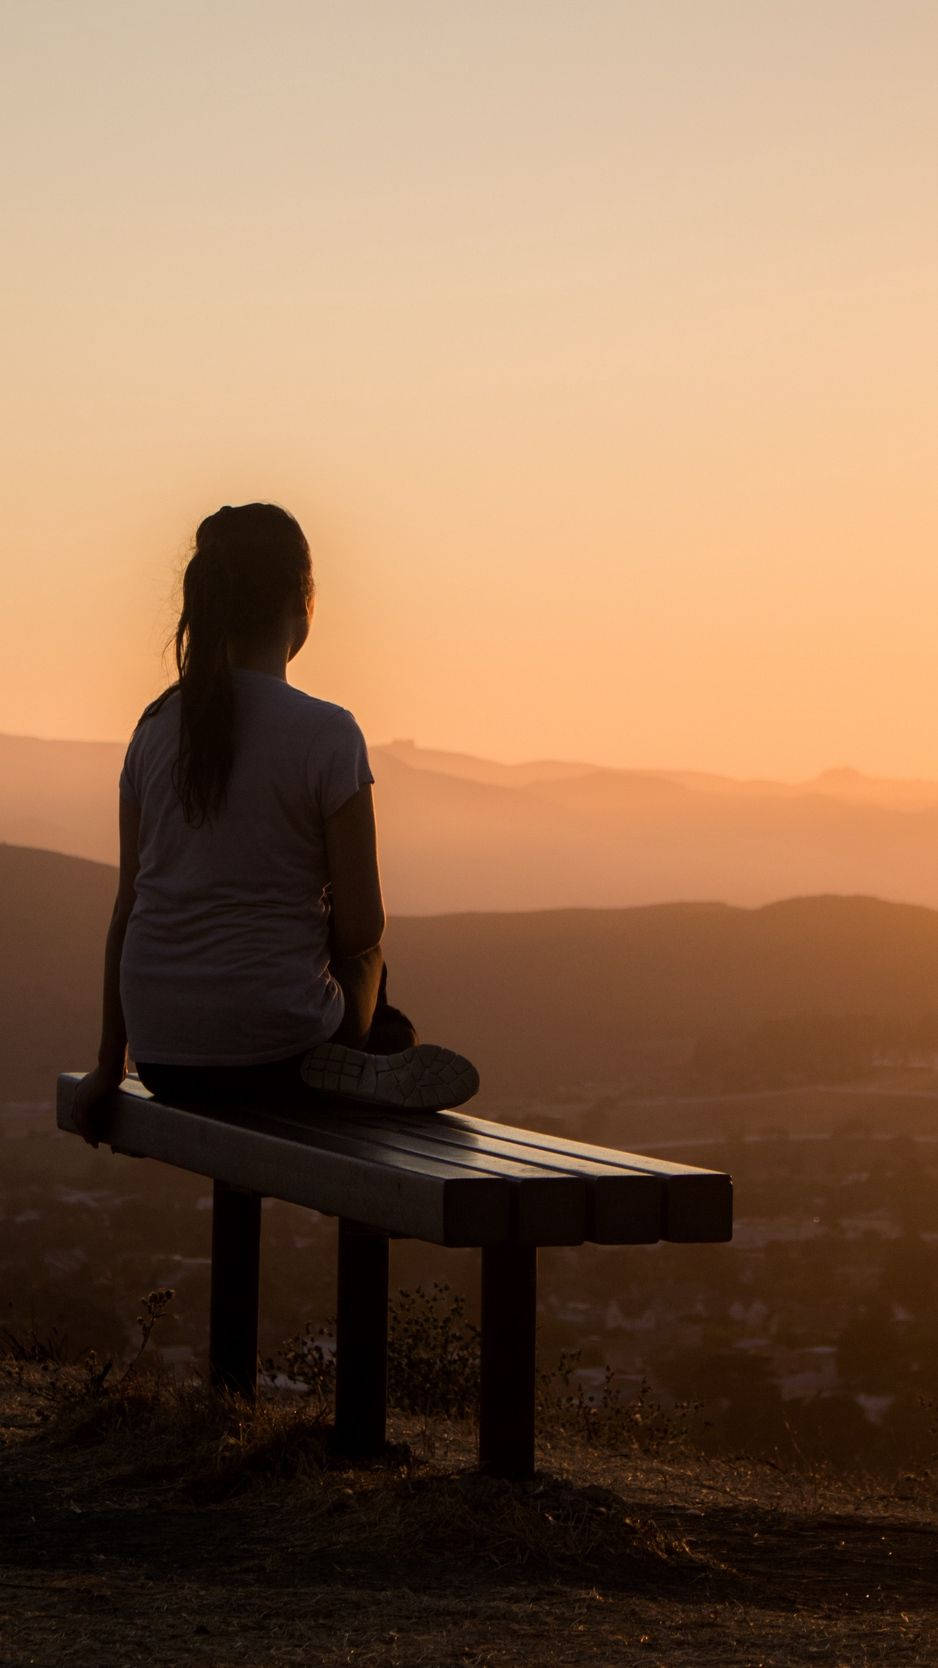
{"x": 538, "y": 999}
{"x": 458, "y": 832}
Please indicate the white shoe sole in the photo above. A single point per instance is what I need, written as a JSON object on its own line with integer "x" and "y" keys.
{"x": 425, "y": 1077}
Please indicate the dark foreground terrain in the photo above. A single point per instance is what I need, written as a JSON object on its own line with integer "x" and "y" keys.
{"x": 160, "y": 1526}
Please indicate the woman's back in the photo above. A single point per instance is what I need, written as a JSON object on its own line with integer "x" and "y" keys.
{"x": 243, "y": 958}
{"x": 226, "y": 956}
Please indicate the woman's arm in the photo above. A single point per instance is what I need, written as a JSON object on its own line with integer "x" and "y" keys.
{"x": 109, "y": 1071}
{"x": 352, "y": 858}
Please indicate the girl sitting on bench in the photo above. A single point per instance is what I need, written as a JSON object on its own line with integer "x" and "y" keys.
{"x": 243, "y": 960}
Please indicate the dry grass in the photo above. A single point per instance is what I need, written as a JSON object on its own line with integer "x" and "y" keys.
{"x": 152, "y": 1522}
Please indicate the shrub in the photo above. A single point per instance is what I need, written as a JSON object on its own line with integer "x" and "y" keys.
{"x": 433, "y": 1372}
{"x": 433, "y": 1356}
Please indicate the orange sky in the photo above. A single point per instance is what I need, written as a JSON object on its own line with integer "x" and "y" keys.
{"x": 594, "y": 346}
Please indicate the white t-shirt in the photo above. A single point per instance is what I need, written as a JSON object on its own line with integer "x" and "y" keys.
{"x": 226, "y": 955}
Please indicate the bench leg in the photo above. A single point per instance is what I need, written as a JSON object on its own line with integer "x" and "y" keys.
{"x": 509, "y": 1314}
{"x": 236, "y": 1251}
{"x": 361, "y": 1345}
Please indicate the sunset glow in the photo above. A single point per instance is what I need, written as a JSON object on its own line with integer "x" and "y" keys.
{"x": 594, "y": 348}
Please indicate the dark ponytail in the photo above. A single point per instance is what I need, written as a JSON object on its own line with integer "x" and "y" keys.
{"x": 249, "y": 565}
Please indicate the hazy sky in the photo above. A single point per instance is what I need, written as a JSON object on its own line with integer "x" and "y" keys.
{"x": 594, "y": 345}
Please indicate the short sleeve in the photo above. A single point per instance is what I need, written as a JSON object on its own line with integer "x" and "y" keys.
{"x": 339, "y": 763}
{"x": 126, "y": 785}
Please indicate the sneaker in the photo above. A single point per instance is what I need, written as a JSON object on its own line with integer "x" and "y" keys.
{"x": 426, "y": 1078}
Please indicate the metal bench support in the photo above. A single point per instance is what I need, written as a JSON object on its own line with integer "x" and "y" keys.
{"x": 236, "y": 1249}
{"x": 509, "y": 1314}
{"x": 361, "y": 1365}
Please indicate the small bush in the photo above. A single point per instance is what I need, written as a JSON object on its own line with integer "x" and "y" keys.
{"x": 25, "y": 1343}
{"x": 433, "y": 1356}
{"x": 608, "y": 1417}
{"x": 433, "y": 1372}
{"x": 47, "y": 1375}
{"x": 308, "y": 1363}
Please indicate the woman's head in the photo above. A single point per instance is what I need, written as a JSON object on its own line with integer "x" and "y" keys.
{"x": 249, "y": 570}
{"x": 248, "y": 582}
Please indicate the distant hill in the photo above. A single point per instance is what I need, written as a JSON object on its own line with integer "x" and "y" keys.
{"x": 460, "y": 833}
{"x": 54, "y": 914}
{"x": 482, "y": 770}
{"x": 60, "y": 795}
{"x": 541, "y": 1000}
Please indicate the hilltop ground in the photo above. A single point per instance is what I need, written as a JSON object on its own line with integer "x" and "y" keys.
{"x": 174, "y": 1529}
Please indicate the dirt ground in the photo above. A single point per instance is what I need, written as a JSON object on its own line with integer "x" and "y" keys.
{"x": 131, "y": 1534}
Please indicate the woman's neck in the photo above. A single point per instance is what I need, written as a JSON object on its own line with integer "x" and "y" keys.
{"x": 271, "y": 654}
{"x": 270, "y": 658}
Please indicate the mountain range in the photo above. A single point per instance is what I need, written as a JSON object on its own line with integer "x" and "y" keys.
{"x": 543, "y": 1001}
{"x": 461, "y": 833}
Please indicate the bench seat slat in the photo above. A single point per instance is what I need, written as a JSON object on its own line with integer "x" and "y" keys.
{"x": 624, "y": 1208}
{"x": 550, "y": 1208}
{"x": 549, "y": 1200}
{"x": 469, "y": 1181}
{"x": 698, "y": 1203}
{"x": 416, "y": 1198}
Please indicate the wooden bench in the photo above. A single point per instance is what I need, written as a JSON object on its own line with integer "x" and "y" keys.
{"x": 444, "y": 1177}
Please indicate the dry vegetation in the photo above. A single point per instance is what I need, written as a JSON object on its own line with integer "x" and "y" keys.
{"x": 145, "y": 1520}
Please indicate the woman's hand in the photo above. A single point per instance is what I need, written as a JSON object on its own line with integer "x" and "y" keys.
{"x": 89, "y": 1108}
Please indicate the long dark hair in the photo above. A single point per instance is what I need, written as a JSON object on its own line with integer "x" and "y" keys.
{"x": 249, "y": 565}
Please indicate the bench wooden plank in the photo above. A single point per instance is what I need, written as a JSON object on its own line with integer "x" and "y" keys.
{"x": 549, "y": 1200}
{"x": 698, "y": 1203}
{"x": 622, "y": 1208}
{"x": 418, "y": 1198}
{"x": 560, "y": 1191}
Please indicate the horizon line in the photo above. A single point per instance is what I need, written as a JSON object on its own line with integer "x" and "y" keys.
{"x": 515, "y": 764}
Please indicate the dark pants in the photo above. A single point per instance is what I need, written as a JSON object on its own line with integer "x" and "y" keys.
{"x": 369, "y": 1022}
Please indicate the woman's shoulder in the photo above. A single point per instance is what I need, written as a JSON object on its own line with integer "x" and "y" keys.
{"x": 317, "y": 716}
{"x": 156, "y": 728}
{"x": 153, "y": 708}
{"x": 332, "y": 745}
